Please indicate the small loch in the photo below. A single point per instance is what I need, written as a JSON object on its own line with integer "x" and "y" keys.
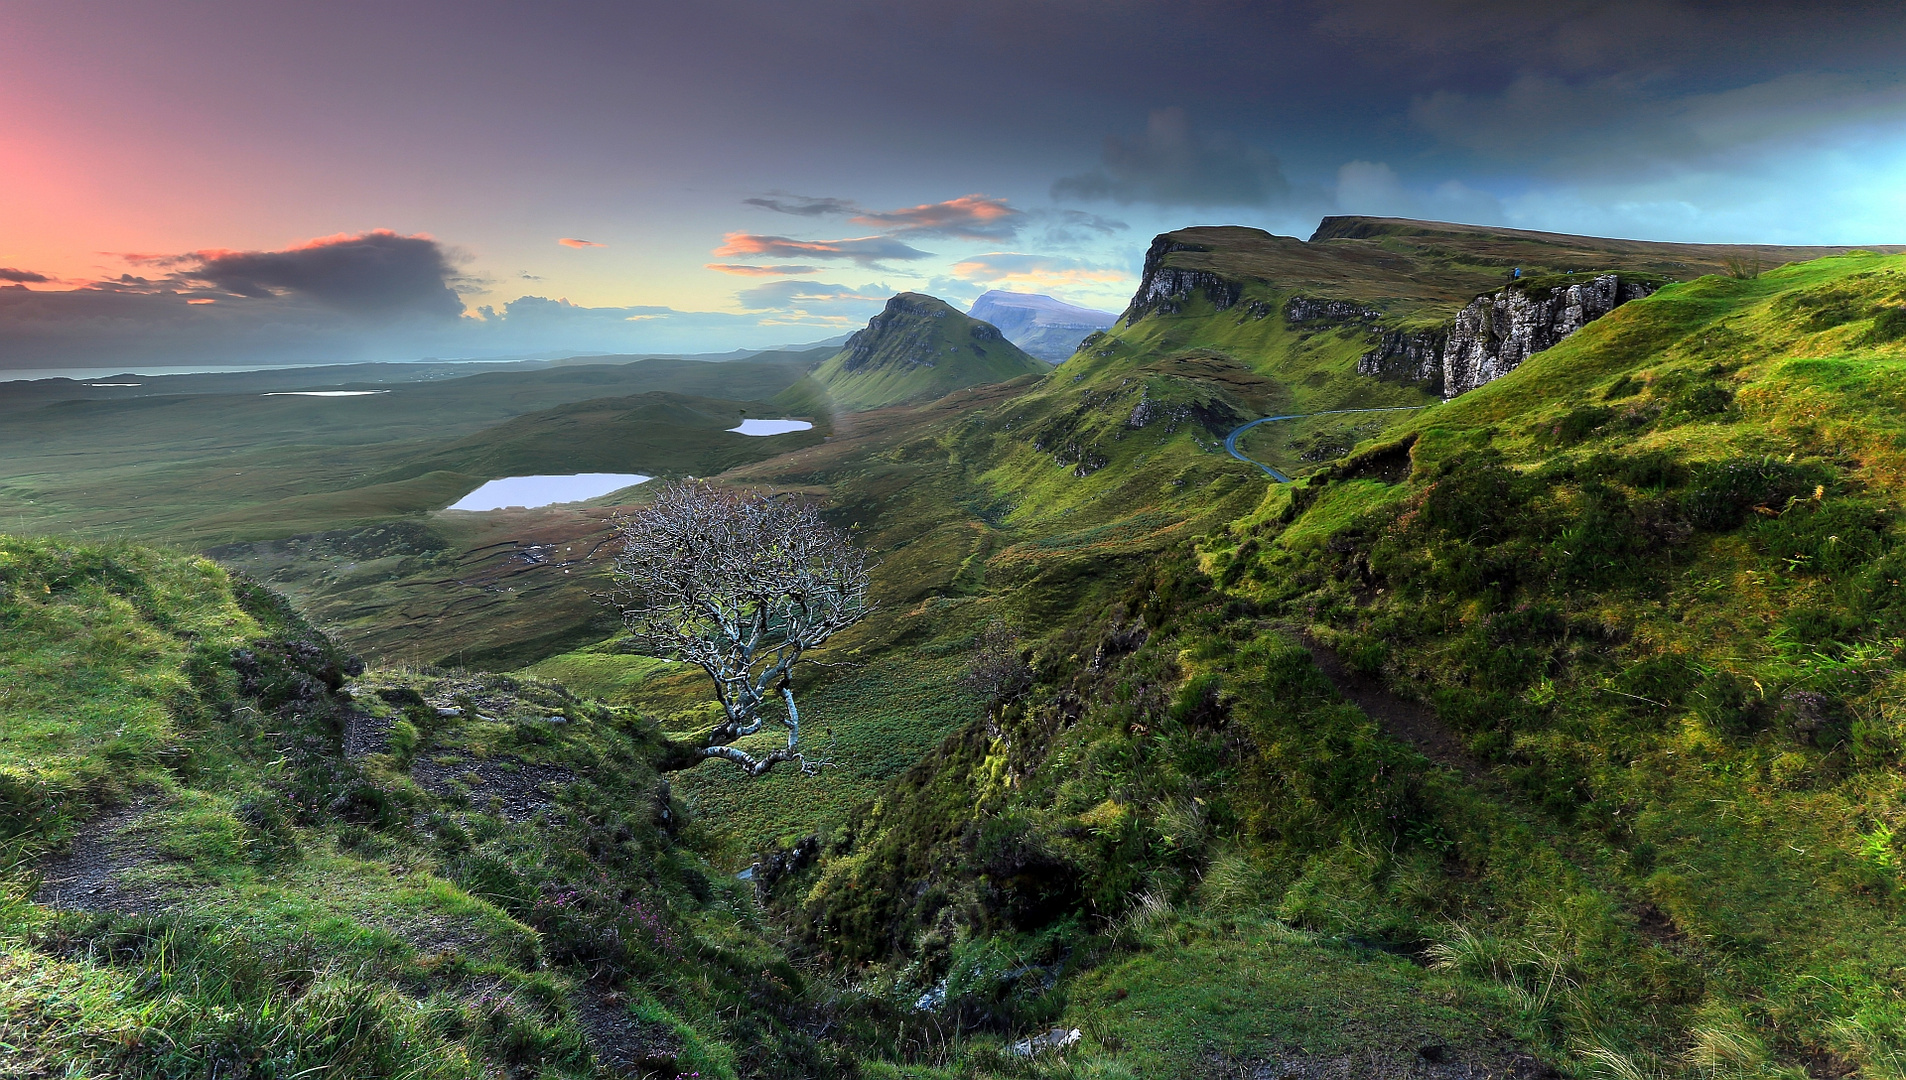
{"x": 530, "y": 492}
{"x": 770, "y": 427}
{"x": 309, "y": 393}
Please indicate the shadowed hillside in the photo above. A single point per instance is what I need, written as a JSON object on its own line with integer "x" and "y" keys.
{"x": 919, "y": 348}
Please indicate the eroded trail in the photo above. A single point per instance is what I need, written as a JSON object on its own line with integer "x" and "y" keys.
{"x": 1406, "y": 721}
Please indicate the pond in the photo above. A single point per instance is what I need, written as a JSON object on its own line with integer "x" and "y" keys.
{"x": 530, "y": 492}
{"x": 319, "y": 393}
{"x": 770, "y": 427}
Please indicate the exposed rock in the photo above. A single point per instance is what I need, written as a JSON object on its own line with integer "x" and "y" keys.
{"x": 1165, "y": 289}
{"x": 1303, "y": 309}
{"x": 1496, "y": 333}
{"x": 1409, "y": 356}
{"x": 1047, "y": 1042}
{"x": 914, "y": 345}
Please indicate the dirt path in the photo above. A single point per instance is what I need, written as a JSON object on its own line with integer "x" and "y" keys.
{"x": 88, "y": 875}
{"x": 1401, "y": 719}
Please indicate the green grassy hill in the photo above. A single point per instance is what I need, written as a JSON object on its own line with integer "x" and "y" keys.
{"x": 1553, "y": 730}
{"x": 1580, "y": 691}
{"x": 234, "y": 852}
{"x": 918, "y": 348}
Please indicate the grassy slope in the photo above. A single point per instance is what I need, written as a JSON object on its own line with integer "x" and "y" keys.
{"x": 924, "y": 353}
{"x": 212, "y": 467}
{"x": 1661, "y": 630}
{"x": 1659, "y": 859}
{"x": 281, "y": 899}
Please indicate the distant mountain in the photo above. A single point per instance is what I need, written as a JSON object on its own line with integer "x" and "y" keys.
{"x": 1048, "y": 328}
{"x": 919, "y": 348}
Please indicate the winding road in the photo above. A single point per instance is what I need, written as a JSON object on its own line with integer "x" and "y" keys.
{"x": 1231, "y": 440}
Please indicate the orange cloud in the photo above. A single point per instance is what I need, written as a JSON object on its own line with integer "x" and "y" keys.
{"x": 865, "y": 250}
{"x": 1009, "y": 269}
{"x": 572, "y": 242}
{"x": 746, "y": 270}
{"x": 972, "y": 217}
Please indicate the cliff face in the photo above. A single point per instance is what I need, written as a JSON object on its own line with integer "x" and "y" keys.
{"x": 1164, "y": 289}
{"x": 1494, "y": 334}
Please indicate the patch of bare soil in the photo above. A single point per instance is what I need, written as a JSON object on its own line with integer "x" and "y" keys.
{"x": 1400, "y": 718}
{"x": 89, "y": 875}
{"x": 365, "y": 734}
{"x": 519, "y": 789}
{"x": 1431, "y": 1062}
{"x": 620, "y": 1041}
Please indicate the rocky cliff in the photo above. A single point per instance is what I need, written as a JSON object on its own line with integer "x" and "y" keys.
{"x": 1164, "y": 289}
{"x": 1495, "y": 333}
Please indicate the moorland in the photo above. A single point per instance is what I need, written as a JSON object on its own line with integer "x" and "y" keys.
{"x": 1550, "y": 727}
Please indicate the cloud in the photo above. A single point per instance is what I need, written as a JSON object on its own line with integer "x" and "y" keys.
{"x": 867, "y": 251}
{"x": 572, "y": 242}
{"x": 802, "y": 205}
{"x": 969, "y": 217}
{"x": 1172, "y": 164}
{"x": 1630, "y": 127}
{"x": 1072, "y": 228}
{"x": 8, "y": 273}
{"x": 746, "y": 270}
{"x": 1372, "y": 188}
{"x": 810, "y": 295}
{"x": 378, "y": 273}
{"x": 1017, "y": 270}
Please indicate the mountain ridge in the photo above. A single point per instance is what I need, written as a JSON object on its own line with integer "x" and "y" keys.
{"x": 1044, "y": 326}
{"x": 919, "y": 347}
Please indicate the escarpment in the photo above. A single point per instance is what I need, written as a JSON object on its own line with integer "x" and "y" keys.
{"x": 1495, "y": 333}
{"x": 1165, "y": 289}
{"x": 1443, "y": 344}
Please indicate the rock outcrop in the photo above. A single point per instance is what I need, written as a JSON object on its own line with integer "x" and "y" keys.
{"x": 1165, "y": 289}
{"x": 896, "y": 336}
{"x": 1304, "y": 309}
{"x": 1408, "y": 356}
{"x": 1495, "y": 333}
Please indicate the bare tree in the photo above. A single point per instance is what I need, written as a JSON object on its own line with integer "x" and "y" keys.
{"x": 742, "y": 585}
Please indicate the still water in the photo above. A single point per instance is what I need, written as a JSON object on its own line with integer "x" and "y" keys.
{"x": 530, "y": 492}
{"x": 770, "y": 427}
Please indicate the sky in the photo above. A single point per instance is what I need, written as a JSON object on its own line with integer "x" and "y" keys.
{"x": 258, "y": 182}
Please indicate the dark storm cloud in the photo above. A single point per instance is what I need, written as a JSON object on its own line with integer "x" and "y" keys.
{"x": 802, "y": 205}
{"x": 378, "y": 273}
{"x": 868, "y": 251}
{"x": 1173, "y": 164}
{"x": 8, "y": 273}
{"x": 1623, "y": 125}
{"x": 1070, "y": 228}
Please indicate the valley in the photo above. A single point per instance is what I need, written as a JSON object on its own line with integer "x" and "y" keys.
{"x": 1524, "y": 702}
